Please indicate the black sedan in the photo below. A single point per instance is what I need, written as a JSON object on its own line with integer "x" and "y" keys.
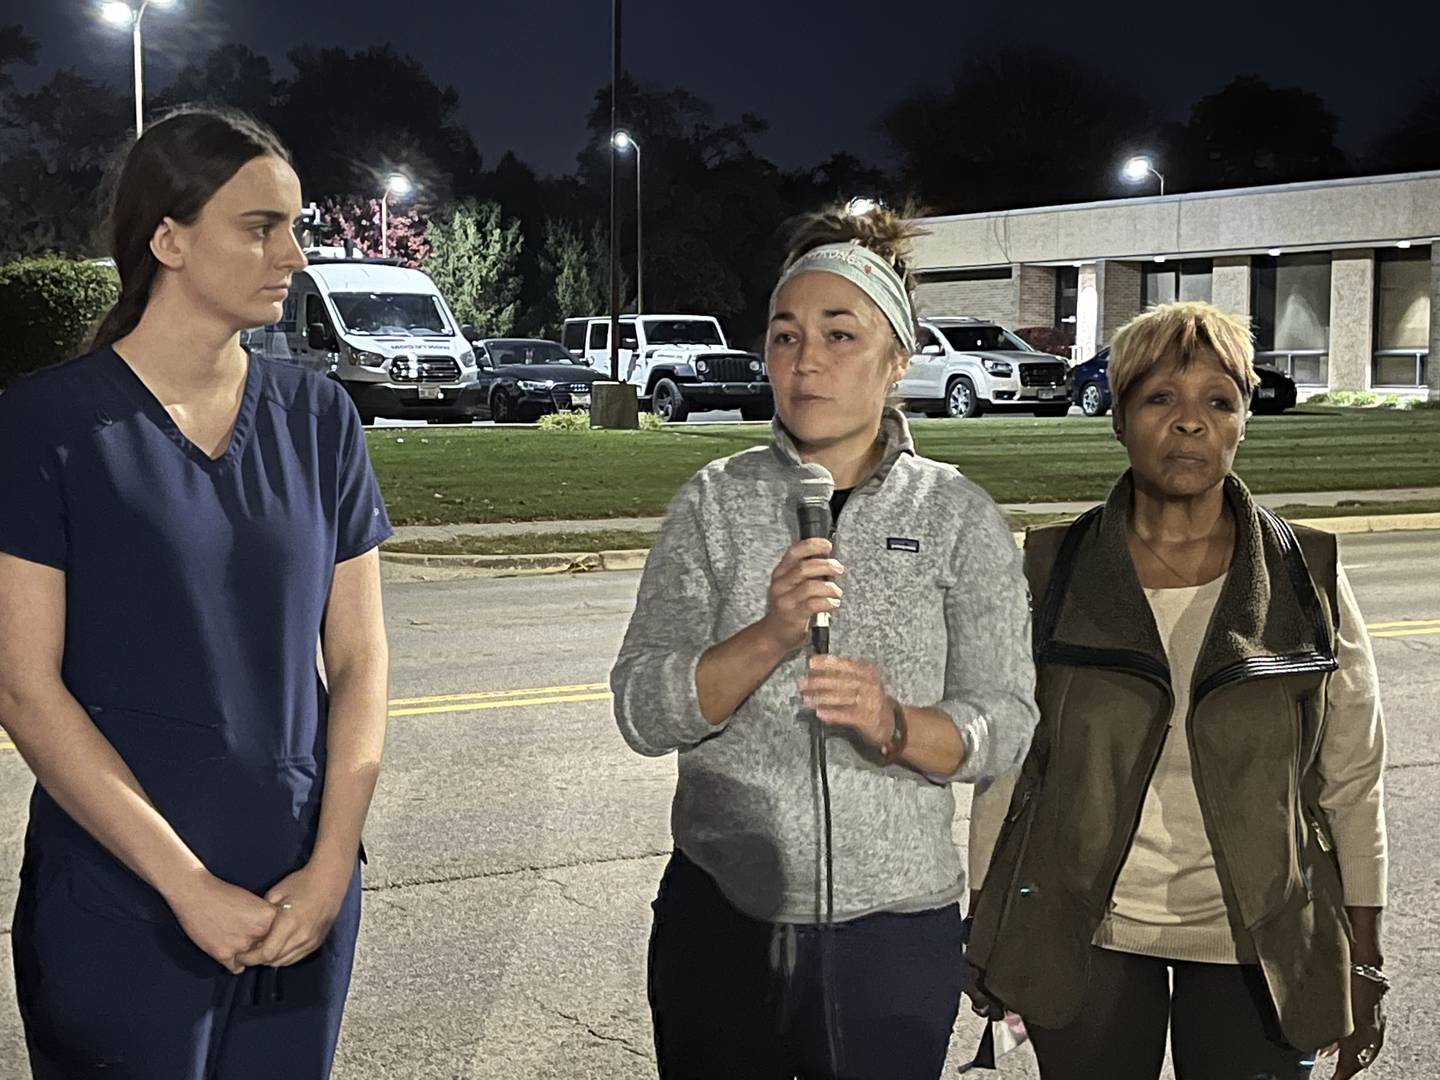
{"x": 522, "y": 379}
{"x": 1090, "y": 387}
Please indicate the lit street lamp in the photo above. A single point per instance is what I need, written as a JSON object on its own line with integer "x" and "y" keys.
{"x": 1139, "y": 167}
{"x": 623, "y": 141}
{"x": 397, "y": 184}
{"x": 121, "y": 13}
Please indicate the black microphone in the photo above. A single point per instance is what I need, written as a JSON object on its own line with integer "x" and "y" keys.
{"x": 815, "y": 521}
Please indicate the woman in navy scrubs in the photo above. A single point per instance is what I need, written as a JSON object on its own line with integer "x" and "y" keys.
{"x": 179, "y": 524}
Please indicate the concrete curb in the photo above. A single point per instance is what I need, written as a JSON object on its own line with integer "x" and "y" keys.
{"x": 585, "y": 562}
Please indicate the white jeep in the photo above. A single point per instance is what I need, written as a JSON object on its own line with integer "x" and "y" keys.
{"x": 679, "y": 364}
{"x": 965, "y": 366}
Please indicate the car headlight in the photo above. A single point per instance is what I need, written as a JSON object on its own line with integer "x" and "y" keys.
{"x": 756, "y": 366}
{"x": 369, "y": 359}
{"x": 997, "y": 367}
{"x": 702, "y": 366}
{"x": 535, "y": 386}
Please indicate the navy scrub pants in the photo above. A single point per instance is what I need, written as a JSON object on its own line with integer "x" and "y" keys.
{"x": 734, "y": 997}
{"x": 108, "y": 991}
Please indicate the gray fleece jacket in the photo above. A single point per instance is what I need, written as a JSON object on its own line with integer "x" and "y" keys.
{"x": 934, "y": 596}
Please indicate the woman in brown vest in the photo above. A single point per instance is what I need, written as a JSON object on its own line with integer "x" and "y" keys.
{"x": 1195, "y": 844}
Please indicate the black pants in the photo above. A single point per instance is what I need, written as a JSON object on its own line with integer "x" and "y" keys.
{"x": 1221, "y": 1021}
{"x": 735, "y": 998}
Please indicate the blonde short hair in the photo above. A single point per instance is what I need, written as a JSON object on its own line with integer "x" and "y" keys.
{"x": 1182, "y": 330}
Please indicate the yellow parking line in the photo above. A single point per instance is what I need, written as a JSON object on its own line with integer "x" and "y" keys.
{"x": 495, "y": 694}
{"x": 1403, "y": 622}
{"x": 1407, "y": 633}
{"x": 514, "y": 703}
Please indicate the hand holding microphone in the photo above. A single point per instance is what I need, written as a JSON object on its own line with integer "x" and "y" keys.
{"x": 800, "y": 589}
{"x": 802, "y": 592}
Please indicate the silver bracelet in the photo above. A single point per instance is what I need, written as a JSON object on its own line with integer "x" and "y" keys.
{"x": 1373, "y": 974}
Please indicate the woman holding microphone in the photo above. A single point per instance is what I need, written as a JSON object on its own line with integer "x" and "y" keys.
{"x": 755, "y": 968}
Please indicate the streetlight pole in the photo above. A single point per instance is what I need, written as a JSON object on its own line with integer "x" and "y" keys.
{"x": 615, "y": 8}
{"x": 397, "y": 184}
{"x": 139, "y": 72}
{"x": 384, "y": 224}
{"x": 121, "y": 13}
{"x": 625, "y": 141}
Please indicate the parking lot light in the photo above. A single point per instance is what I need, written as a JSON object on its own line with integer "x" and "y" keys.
{"x": 399, "y": 185}
{"x": 623, "y": 141}
{"x": 120, "y": 13}
{"x": 1138, "y": 168}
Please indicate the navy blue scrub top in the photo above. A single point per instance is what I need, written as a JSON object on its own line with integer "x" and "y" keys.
{"x": 195, "y": 593}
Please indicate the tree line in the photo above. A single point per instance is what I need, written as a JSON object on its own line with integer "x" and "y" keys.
{"x": 517, "y": 252}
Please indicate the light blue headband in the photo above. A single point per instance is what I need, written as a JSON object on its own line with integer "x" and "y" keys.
{"x": 866, "y": 270}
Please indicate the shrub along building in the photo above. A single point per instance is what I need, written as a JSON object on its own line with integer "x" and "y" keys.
{"x": 1339, "y": 278}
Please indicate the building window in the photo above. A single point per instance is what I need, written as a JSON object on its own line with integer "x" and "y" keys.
{"x": 1290, "y": 307}
{"x": 1067, "y": 298}
{"x": 1402, "y": 317}
{"x": 940, "y": 277}
{"x": 1189, "y": 279}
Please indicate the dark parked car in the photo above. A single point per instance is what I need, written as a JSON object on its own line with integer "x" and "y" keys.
{"x": 1090, "y": 387}
{"x": 522, "y": 379}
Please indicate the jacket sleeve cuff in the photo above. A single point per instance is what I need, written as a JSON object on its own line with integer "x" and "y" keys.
{"x": 658, "y": 703}
{"x": 974, "y": 728}
{"x": 1363, "y": 880}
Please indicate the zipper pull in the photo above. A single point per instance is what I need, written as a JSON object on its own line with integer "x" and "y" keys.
{"x": 1320, "y": 836}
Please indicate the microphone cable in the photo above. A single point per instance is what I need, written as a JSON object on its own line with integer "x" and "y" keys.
{"x": 818, "y": 520}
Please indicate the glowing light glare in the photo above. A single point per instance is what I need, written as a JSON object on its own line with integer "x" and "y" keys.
{"x": 1403, "y": 244}
{"x": 1137, "y": 168}
{"x": 162, "y": 3}
{"x": 1159, "y": 258}
{"x": 399, "y": 184}
{"x": 860, "y": 206}
{"x": 1274, "y": 253}
{"x": 622, "y": 141}
{"x": 117, "y": 13}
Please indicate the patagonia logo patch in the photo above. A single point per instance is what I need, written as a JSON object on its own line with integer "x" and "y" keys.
{"x": 901, "y": 543}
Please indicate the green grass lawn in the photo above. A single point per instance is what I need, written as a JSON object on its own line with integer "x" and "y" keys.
{"x": 443, "y": 475}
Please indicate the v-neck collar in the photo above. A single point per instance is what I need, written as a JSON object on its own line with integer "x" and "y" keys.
{"x": 160, "y": 416}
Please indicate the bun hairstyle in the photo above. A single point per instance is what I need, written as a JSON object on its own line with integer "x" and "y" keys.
{"x": 873, "y": 226}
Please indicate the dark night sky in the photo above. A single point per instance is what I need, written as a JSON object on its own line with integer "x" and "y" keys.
{"x": 821, "y": 73}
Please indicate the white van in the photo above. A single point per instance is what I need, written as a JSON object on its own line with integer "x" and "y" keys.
{"x": 385, "y": 332}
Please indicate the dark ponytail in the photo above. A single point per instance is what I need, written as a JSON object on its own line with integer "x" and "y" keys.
{"x": 174, "y": 169}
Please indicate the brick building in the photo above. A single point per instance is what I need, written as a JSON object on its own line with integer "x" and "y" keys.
{"x": 1338, "y": 278}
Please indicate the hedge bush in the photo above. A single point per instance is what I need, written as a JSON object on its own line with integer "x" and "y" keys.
{"x": 50, "y": 306}
{"x": 1047, "y": 339}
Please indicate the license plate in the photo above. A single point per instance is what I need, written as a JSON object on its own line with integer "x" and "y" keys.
{"x": 1046, "y": 395}
{"x": 580, "y": 400}
{"x": 1265, "y": 392}
{"x": 431, "y": 393}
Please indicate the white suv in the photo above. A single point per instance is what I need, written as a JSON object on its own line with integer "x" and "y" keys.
{"x": 679, "y": 364}
{"x": 968, "y": 366}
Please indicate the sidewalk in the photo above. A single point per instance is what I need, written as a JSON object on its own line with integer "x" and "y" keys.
{"x": 652, "y": 524}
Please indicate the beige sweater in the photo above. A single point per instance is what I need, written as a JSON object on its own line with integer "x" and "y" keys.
{"x": 1167, "y": 900}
